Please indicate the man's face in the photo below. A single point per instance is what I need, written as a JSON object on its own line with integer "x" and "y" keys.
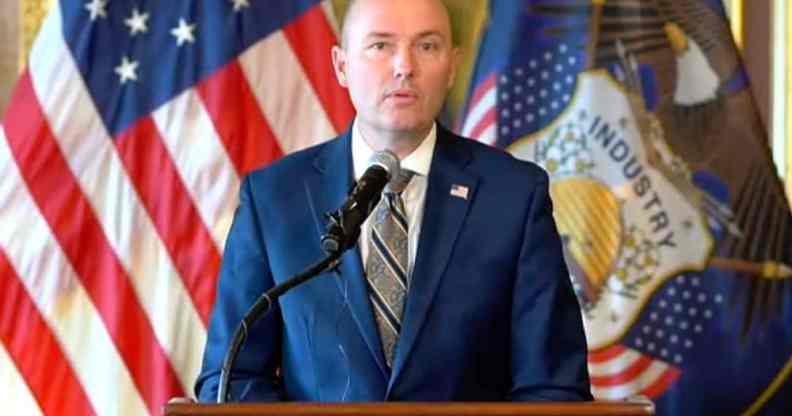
{"x": 398, "y": 63}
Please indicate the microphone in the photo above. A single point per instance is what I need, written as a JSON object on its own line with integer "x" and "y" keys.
{"x": 343, "y": 228}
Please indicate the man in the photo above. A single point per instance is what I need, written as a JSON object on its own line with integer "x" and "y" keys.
{"x": 471, "y": 301}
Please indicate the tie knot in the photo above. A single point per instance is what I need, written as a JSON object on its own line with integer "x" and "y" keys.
{"x": 399, "y": 183}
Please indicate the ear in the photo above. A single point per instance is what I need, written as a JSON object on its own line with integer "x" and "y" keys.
{"x": 456, "y": 57}
{"x": 340, "y": 65}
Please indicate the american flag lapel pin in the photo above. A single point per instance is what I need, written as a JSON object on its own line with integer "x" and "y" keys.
{"x": 459, "y": 191}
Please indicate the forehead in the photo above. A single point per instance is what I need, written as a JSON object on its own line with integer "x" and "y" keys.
{"x": 396, "y": 17}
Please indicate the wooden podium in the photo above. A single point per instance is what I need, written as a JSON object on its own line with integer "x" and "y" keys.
{"x": 639, "y": 407}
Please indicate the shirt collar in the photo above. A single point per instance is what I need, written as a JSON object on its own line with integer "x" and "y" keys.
{"x": 419, "y": 161}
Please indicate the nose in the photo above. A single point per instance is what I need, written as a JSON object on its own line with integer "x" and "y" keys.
{"x": 404, "y": 63}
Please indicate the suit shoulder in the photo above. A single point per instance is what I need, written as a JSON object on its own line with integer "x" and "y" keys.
{"x": 289, "y": 166}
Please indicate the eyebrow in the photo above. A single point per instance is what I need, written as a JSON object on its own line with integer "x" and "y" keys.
{"x": 388, "y": 35}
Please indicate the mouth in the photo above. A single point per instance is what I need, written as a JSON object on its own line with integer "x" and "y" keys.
{"x": 402, "y": 96}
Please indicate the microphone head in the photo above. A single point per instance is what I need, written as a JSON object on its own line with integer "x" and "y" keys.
{"x": 388, "y": 161}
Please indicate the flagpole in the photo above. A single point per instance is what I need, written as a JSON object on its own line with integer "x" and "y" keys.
{"x": 780, "y": 128}
{"x": 736, "y": 21}
{"x": 769, "y": 270}
{"x": 596, "y": 19}
{"x": 788, "y": 105}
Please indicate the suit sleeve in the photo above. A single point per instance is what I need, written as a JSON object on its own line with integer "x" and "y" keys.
{"x": 244, "y": 276}
{"x": 549, "y": 353}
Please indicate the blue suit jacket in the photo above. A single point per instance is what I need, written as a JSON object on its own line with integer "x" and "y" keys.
{"x": 490, "y": 313}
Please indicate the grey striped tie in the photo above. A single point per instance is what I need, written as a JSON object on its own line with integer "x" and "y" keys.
{"x": 386, "y": 267}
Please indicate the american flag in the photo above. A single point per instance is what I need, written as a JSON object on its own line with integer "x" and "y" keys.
{"x": 121, "y": 154}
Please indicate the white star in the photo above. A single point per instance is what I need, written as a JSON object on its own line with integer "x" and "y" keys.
{"x": 127, "y": 70}
{"x": 98, "y": 8}
{"x": 184, "y": 32}
{"x": 137, "y": 22}
{"x": 240, "y": 4}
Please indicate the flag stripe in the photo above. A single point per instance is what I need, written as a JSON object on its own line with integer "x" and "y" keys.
{"x": 484, "y": 88}
{"x": 482, "y": 101}
{"x": 311, "y": 37}
{"x": 25, "y": 331}
{"x": 480, "y": 121}
{"x": 489, "y": 135}
{"x": 285, "y": 94}
{"x": 202, "y": 164}
{"x": 69, "y": 214}
{"x": 614, "y": 366}
{"x": 629, "y": 373}
{"x": 164, "y": 196}
{"x": 63, "y": 303}
{"x": 662, "y": 383}
{"x": 332, "y": 19}
{"x": 239, "y": 122}
{"x": 484, "y": 123}
{"x": 606, "y": 354}
{"x": 631, "y": 387}
{"x": 16, "y": 395}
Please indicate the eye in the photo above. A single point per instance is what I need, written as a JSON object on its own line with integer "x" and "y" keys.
{"x": 378, "y": 46}
{"x": 428, "y": 46}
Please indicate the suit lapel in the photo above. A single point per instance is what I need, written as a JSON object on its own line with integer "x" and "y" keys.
{"x": 443, "y": 216}
{"x": 327, "y": 190}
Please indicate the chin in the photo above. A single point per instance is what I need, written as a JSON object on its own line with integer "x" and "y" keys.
{"x": 407, "y": 125}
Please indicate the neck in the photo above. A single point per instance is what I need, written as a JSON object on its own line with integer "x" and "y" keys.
{"x": 400, "y": 142}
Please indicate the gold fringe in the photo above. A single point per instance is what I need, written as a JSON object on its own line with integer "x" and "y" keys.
{"x": 32, "y": 14}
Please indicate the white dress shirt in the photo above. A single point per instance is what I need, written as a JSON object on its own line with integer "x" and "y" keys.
{"x": 414, "y": 195}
